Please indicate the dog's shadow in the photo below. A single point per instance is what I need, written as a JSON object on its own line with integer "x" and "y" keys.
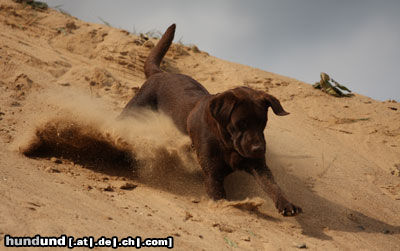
{"x": 319, "y": 214}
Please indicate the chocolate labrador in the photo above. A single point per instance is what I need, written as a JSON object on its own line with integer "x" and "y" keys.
{"x": 227, "y": 129}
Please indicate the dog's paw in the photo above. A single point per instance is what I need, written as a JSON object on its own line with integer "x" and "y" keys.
{"x": 288, "y": 209}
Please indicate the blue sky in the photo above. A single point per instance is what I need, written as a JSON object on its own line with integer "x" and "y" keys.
{"x": 357, "y": 42}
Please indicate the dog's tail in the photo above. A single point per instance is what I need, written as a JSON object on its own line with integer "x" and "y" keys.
{"x": 153, "y": 61}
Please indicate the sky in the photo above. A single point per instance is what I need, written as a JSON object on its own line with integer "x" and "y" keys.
{"x": 357, "y": 42}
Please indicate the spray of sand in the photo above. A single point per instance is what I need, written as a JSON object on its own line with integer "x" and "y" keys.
{"x": 85, "y": 130}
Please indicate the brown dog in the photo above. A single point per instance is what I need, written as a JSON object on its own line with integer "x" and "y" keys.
{"x": 227, "y": 129}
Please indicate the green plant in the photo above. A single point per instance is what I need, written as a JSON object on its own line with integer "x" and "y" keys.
{"x": 104, "y": 21}
{"x": 33, "y": 4}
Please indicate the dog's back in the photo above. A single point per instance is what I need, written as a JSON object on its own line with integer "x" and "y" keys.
{"x": 173, "y": 94}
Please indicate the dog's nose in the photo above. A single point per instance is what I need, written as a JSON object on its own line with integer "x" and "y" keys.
{"x": 257, "y": 148}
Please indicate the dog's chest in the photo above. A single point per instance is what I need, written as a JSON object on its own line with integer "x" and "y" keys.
{"x": 238, "y": 162}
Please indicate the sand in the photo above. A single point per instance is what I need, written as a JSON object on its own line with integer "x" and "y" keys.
{"x": 67, "y": 166}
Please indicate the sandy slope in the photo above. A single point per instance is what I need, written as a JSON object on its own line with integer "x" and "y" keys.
{"x": 335, "y": 157}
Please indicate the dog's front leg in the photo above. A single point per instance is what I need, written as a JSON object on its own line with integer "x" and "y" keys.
{"x": 215, "y": 186}
{"x": 215, "y": 171}
{"x": 265, "y": 179}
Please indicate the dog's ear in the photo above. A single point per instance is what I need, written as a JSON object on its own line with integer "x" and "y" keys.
{"x": 274, "y": 103}
{"x": 221, "y": 107}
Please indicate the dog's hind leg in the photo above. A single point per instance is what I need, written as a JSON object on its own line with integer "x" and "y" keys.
{"x": 145, "y": 98}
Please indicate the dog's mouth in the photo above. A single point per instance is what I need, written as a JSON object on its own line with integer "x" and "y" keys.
{"x": 257, "y": 155}
{"x": 248, "y": 152}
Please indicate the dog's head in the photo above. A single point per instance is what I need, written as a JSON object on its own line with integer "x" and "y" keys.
{"x": 240, "y": 117}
